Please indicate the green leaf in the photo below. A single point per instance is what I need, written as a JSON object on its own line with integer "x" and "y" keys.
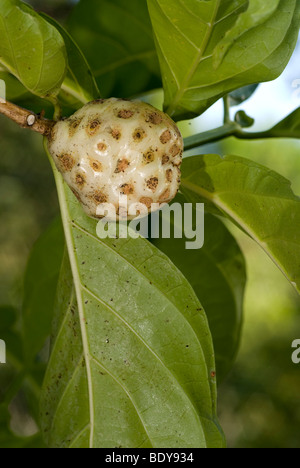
{"x": 131, "y": 367}
{"x": 288, "y": 127}
{"x": 242, "y": 94}
{"x": 117, "y": 39}
{"x": 257, "y": 13}
{"x": 79, "y": 86}
{"x": 217, "y": 273}
{"x": 256, "y": 199}
{"x": 8, "y": 317}
{"x": 244, "y": 120}
{"x": 18, "y": 94}
{"x": 187, "y": 34}
{"x": 31, "y": 49}
{"x": 14, "y": 89}
{"x": 40, "y": 285}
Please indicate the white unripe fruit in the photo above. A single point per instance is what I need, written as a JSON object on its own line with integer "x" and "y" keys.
{"x": 117, "y": 147}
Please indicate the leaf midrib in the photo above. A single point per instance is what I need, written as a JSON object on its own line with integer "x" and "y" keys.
{"x": 171, "y": 109}
{"x": 69, "y": 241}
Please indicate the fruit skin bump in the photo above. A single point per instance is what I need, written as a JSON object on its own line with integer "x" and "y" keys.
{"x": 115, "y": 147}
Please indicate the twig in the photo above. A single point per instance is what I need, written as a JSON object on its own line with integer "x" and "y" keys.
{"x": 26, "y": 119}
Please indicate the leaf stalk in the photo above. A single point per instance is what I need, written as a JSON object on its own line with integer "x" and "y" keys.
{"x": 231, "y": 130}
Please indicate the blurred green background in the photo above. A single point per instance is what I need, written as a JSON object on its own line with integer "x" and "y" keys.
{"x": 259, "y": 403}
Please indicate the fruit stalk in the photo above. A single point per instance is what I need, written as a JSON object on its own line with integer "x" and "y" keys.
{"x": 26, "y": 119}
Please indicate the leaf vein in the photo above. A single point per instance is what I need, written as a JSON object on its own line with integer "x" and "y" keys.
{"x": 99, "y": 364}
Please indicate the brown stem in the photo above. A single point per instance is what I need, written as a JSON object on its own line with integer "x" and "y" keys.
{"x": 26, "y": 119}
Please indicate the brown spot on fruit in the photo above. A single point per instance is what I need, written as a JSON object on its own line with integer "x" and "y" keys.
{"x": 149, "y": 156}
{"x": 93, "y": 126}
{"x": 174, "y": 150}
{"x": 152, "y": 183}
{"x": 99, "y": 197}
{"x": 165, "y": 196}
{"x": 165, "y": 159}
{"x": 147, "y": 201}
{"x": 95, "y": 165}
{"x": 176, "y": 163}
{"x": 66, "y": 162}
{"x": 166, "y": 137}
{"x": 169, "y": 175}
{"x": 125, "y": 114}
{"x": 80, "y": 180}
{"x": 122, "y": 165}
{"x": 127, "y": 189}
{"x": 73, "y": 126}
{"x": 102, "y": 146}
{"x": 115, "y": 133}
{"x": 139, "y": 134}
{"x": 155, "y": 118}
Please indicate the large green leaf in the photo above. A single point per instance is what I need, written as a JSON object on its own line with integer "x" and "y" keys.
{"x": 79, "y": 86}
{"x": 132, "y": 366}
{"x": 117, "y": 40}
{"x": 40, "y": 285}
{"x": 188, "y": 35}
{"x": 31, "y": 49}
{"x": 255, "y": 198}
{"x": 218, "y": 276}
